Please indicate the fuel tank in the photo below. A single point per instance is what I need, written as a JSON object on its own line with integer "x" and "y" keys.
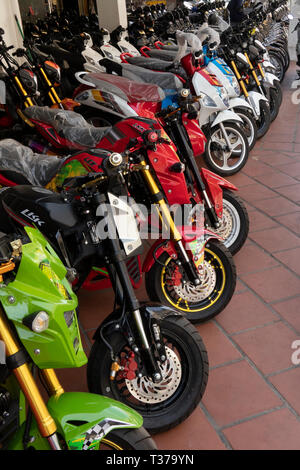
{"x": 37, "y": 207}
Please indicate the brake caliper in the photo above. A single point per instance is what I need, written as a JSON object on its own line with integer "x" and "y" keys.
{"x": 126, "y": 368}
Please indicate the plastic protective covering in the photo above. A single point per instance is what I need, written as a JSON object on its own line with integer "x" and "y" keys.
{"x": 220, "y": 24}
{"x": 69, "y": 125}
{"x": 207, "y": 33}
{"x": 36, "y": 168}
{"x": 126, "y": 89}
{"x": 184, "y": 40}
{"x": 167, "y": 81}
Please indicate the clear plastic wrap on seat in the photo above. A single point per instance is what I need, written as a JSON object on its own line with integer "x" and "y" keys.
{"x": 125, "y": 88}
{"x": 165, "y": 80}
{"x": 69, "y": 125}
{"x": 38, "y": 169}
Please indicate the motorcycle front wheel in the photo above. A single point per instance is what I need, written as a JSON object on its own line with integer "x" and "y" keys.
{"x": 264, "y": 120}
{"x": 274, "y": 104}
{"x": 165, "y": 404}
{"x": 166, "y": 282}
{"x": 234, "y": 225}
{"x": 248, "y": 126}
{"x": 222, "y": 159}
{"x": 127, "y": 439}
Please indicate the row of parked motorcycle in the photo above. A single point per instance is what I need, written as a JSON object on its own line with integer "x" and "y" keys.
{"x": 102, "y": 186}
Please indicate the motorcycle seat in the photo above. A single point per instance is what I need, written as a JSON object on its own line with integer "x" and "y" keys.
{"x": 21, "y": 165}
{"x": 162, "y": 54}
{"x": 169, "y": 82}
{"x": 158, "y": 65}
{"x": 69, "y": 125}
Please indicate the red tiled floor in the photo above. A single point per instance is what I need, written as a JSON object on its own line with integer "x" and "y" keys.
{"x": 275, "y": 179}
{"x": 287, "y": 384}
{"x": 235, "y": 392}
{"x": 279, "y": 430}
{"x": 291, "y": 221}
{"x": 290, "y": 192}
{"x": 245, "y": 311}
{"x": 252, "y": 258}
{"x": 259, "y": 221}
{"x": 289, "y": 310}
{"x": 292, "y": 169}
{"x": 269, "y": 347}
{"x": 256, "y": 191}
{"x": 273, "y": 284}
{"x": 276, "y": 206}
{"x": 197, "y": 433}
{"x": 219, "y": 348}
{"x": 276, "y": 239}
{"x": 290, "y": 258}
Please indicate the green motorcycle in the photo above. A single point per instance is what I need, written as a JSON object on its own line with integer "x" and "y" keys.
{"x": 39, "y": 332}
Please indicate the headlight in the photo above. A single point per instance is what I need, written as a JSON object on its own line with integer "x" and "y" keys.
{"x": 235, "y": 84}
{"x": 224, "y": 95}
{"x": 207, "y": 101}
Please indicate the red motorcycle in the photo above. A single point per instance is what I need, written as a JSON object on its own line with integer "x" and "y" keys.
{"x": 117, "y": 97}
{"x": 196, "y": 276}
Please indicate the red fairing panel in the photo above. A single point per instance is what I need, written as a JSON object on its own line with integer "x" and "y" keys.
{"x": 173, "y": 184}
{"x": 196, "y": 136}
{"x": 146, "y": 109}
{"x": 214, "y": 185}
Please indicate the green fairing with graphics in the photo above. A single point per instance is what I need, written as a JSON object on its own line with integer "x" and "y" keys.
{"x": 82, "y": 419}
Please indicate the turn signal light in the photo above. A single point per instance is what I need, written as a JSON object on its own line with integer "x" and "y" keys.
{"x": 37, "y": 322}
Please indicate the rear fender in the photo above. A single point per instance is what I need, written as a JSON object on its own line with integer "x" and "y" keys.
{"x": 214, "y": 186}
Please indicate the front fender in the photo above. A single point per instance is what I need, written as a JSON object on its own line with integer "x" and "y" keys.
{"x": 167, "y": 246}
{"x": 214, "y": 184}
{"x": 270, "y": 78}
{"x": 268, "y": 65}
{"x": 82, "y": 419}
{"x": 147, "y": 310}
{"x": 239, "y": 103}
{"x": 255, "y": 99}
{"x": 226, "y": 115}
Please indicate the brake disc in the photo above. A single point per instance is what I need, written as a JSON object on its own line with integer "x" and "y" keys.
{"x": 147, "y": 391}
{"x": 191, "y": 293}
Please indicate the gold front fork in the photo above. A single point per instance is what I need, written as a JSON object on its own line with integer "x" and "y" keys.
{"x": 261, "y": 71}
{"x": 27, "y": 383}
{"x": 52, "y": 92}
{"x": 252, "y": 70}
{"x": 239, "y": 78}
{"x": 164, "y": 213}
{"x": 28, "y": 101}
